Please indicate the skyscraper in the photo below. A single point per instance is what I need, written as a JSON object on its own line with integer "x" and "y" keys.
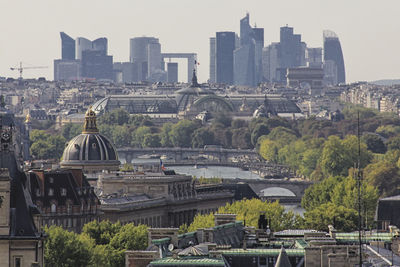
{"x": 139, "y": 54}
{"x": 172, "y": 72}
{"x": 213, "y": 59}
{"x": 225, "y": 45}
{"x": 82, "y": 44}
{"x": 248, "y": 57}
{"x": 67, "y": 47}
{"x": 333, "y": 52}
{"x": 153, "y": 59}
{"x": 97, "y": 65}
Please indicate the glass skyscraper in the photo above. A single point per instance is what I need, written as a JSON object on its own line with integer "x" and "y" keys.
{"x": 333, "y": 52}
{"x": 225, "y": 45}
{"x": 67, "y": 47}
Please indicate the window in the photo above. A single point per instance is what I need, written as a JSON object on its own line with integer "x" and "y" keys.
{"x": 63, "y": 192}
{"x": 38, "y": 192}
{"x": 53, "y": 208}
{"x": 51, "y": 192}
{"x": 51, "y": 180}
{"x": 18, "y": 261}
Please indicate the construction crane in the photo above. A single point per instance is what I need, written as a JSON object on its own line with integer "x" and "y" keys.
{"x": 20, "y": 69}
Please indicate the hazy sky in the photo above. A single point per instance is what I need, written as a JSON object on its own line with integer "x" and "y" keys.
{"x": 369, "y": 30}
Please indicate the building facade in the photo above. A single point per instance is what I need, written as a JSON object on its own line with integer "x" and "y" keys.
{"x": 225, "y": 45}
{"x": 333, "y": 52}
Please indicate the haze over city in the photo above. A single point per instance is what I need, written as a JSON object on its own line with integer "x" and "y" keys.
{"x": 368, "y": 30}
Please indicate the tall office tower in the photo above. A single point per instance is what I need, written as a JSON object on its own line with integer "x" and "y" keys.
{"x": 126, "y": 70}
{"x": 100, "y": 44}
{"x": 97, "y": 65}
{"x": 154, "y": 60}
{"x": 172, "y": 72}
{"x": 139, "y": 54}
{"x": 67, "y": 70}
{"x": 82, "y": 44}
{"x": 246, "y": 32}
{"x": 248, "y": 57}
{"x": 259, "y": 44}
{"x": 270, "y": 61}
{"x": 244, "y": 65}
{"x": 291, "y": 51}
{"x": 314, "y": 57}
{"x": 333, "y": 52}
{"x": 213, "y": 59}
{"x": 225, "y": 45}
{"x": 67, "y": 47}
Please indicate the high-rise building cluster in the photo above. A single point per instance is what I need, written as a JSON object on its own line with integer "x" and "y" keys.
{"x": 82, "y": 58}
{"x": 243, "y": 60}
{"x": 85, "y": 59}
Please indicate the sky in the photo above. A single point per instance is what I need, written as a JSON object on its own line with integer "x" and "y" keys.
{"x": 369, "y": 30}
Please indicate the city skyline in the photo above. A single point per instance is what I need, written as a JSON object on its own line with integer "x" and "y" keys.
{"x": 363, "y": 27}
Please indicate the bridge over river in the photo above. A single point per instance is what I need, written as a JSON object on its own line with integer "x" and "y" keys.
{"x": 284, "y": 190}
{"x": 180, "y": 153}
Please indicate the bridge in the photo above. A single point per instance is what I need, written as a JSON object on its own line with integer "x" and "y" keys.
{"x": 181, "y": 153}
{"x": 284, "y": 190}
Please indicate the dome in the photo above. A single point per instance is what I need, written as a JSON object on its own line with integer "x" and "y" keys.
{"x": 186, "y": 96}
{"x": 90, "y": 150}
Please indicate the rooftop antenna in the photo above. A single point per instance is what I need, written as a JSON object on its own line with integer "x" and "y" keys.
{"x": 359, "y": 177}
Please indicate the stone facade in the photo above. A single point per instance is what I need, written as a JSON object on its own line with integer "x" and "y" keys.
{"x": 156, "y": 199}
{"x": 331, "y": 255}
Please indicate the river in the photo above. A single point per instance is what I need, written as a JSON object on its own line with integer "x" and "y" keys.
{"x": 220, "y": 172}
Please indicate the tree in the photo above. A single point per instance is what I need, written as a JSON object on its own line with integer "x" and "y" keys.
{"x": 374, "y": 143}
{"x": 394, "y": 143}
{"x": 259, "y": 130}
{"x": 340, "y": 155}
{"x": 345, "y": 193}
{"x": 118, "y": 116}
{"x": 282, "y": 135}
{"x": 352, "y": 112}
{"x": 181, "y": 133}
{"x": 102, "y": 232}
{"x": 42, "y": 149}
{"x": 384, "y": 176}
{"x": 319, "y": 193}
{"x": 166, "y": 135}
{"x": 223, "y": 118}
{"x": 138, "y": 135}
{"x": 201, "y": 137}
{"x": 342, "y": 218}
{"x": 65, "y": 249}
{"x": 275, "y": 122}
{"x": 121, "y": 135}
{"x": 151, "y": 140}
{"x": 58, "y": 143}
{"x": 71, "y": 130}
{"x": 238, "y": 124}
{"x": 241, "y": 138}
{"x": 129, "y": 237}
{"x": 269, "y": 150}
{"x": 202, "y": 221}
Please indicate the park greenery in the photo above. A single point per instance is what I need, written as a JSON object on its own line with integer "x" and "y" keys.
{"x": 324, "y": 151}
{"x": 99, "y": 244}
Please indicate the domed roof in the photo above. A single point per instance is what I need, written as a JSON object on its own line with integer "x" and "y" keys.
{"x": 186, "y": 96}
{"x": 90, "y": 150}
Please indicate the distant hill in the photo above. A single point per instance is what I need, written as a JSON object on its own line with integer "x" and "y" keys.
{"x": 386, "y": 82}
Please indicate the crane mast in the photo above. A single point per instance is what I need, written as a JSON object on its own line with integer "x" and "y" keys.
{"x": 20, "y": 69}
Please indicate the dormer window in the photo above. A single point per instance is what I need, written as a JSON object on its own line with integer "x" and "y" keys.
{"x": 53, "y": 208}
{"x": 63, "y": 192}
